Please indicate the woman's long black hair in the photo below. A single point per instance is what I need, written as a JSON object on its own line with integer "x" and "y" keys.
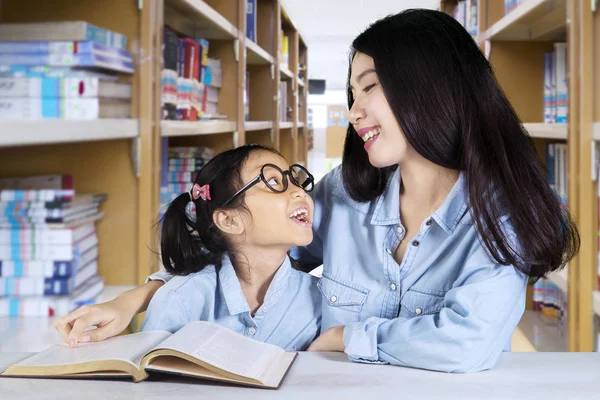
{"x": 189, "y": 244}
{"x": 445, "y": 97}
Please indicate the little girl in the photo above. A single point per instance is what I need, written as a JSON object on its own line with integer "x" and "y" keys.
{"x": 231, "y": 261}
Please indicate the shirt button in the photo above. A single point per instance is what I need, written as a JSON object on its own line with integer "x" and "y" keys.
{"x": 415, "y": 243}
{"x": 389, "y": 251}
{"x": 393, "y": 286}
{"x": 251, "y": 330}
{"x": 333, "y": 299}
{"x": 429, "y": 222}
{"x": 418, "y": 311}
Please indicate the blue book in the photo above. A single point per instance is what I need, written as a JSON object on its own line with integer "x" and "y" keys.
{"x": 81, "y": 47}
{"x": 19, "y": 269}
{"x": 251, "y": 20}
{"x": 68, "y": 60}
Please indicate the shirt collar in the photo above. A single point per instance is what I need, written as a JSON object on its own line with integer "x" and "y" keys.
{"x": 454, "y": 206}
{"x": 232, "y": 290}
{"x": 387, "y": 208}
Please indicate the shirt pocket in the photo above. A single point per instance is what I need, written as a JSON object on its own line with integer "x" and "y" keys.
{"x": 342, "y": 296}
{"x": 417, "y": 302}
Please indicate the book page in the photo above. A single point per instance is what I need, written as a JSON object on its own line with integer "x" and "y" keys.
{"x": 128, "y": 348}
{"x": 223, "y": 348}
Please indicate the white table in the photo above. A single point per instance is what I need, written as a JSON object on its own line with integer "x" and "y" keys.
{"x": 547, "y": 376}
{"x": 33, "y": 334}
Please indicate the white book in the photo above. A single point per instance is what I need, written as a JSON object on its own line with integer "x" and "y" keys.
{"x": 200, "y": 349}
{"x": 64, "y": 87}
{"x": 14, "y": 108}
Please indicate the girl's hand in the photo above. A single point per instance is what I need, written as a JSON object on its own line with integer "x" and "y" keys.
{"x": 110, "y": 318}
{"x": 330, "y": 340}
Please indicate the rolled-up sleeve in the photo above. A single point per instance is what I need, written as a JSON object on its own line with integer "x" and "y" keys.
{"x": 468, "y": 334}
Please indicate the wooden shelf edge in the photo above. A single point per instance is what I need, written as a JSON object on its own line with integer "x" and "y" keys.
{"x": 286, "y": 125}
{"x": 512, "y": 19}
{"x": 596, "y": 131}
{"x": 56, "y": 131}
{"x": 261, "y": 54}
{"x": 257, "y": 125}
{"x": 193, "y": 128}
{"x": 547, "y": 131}
{"x": 286, "y": 73}
{"x": 597, "y": 303}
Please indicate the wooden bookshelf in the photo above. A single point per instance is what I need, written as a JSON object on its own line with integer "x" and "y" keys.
{"x": 122, "y": 157}
{"x": 547, "y": 131}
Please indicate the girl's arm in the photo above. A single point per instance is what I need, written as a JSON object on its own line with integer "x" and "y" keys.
{"x": 111, "y": 318}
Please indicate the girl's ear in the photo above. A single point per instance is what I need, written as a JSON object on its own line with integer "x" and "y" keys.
{"x": 229, "y": 221}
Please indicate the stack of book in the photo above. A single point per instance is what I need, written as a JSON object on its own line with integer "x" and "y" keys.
{"x": 48, "y": 246}
{"x": 556, "y": 90}
{"x": 63, "y": 70}
{"x": 180, "y": 165}
{"x": 549, "y": 299}
{"x": 190, "y": 80}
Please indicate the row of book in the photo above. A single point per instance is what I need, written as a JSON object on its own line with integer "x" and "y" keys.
{"x": 556, "y": 91}
{"x": 190, "y": 80}
{"x": 179, "y": 167}
{"x": 549, "y": 299}
{"x": 63, "y": 70}
{"x": 48, "y": 246}
{"x": 466, "y": 12}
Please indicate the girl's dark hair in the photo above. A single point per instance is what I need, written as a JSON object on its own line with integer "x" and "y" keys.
{"x": 445, "y": 97}
{"x": 187, "y": 246}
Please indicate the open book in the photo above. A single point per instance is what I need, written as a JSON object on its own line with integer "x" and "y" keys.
{"x": 199, "y": 349}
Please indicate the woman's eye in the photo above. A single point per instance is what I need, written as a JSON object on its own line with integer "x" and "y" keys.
{"x": 368, "y": 88}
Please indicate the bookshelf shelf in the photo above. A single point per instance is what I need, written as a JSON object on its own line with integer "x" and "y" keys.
{"x": 193, "y": 128}
{"x": 208, "y": 23}
{"x": 597, "y": 303}
{"x": 258, "y": 125}
{"x": 300, "y": 82}
{"x": 300, "y": 124}
{"x": 286, "y": 74}
{"x": 256, "y": 55}
{"x": 596, "y": 131}
{"x": 533, "y": 20}
{"x": 547, "y": 131}
{"x": 25, "y": 133}
{"x": 286, "y": 125}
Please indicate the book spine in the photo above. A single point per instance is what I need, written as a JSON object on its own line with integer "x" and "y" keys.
{"x": 251, "y": 19}
{"x": 63, "y": 47}
{"x": 561, "y": 83}
{"x": 68, "y": 60}
{"x": 105, "y": 37}
{"x": 13, "y": 237}
{"x": 49, "y": 87}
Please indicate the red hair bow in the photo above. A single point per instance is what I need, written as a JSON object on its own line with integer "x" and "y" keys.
{"x": 202, "y": 192}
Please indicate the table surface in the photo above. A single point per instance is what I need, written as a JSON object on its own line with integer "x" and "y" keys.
{"x": 548, "y": 376}
{"x": 33, "y": 334}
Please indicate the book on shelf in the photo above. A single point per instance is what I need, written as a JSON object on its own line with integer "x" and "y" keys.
{"x": 24, "y": 108}
{"x": 200, "y": 349}
{"x": 69, "y": 60}
{"x": 62, "y": 31}
{"x": 18, "y": 87}
{"x": 64, "y": 48}
{"x": 251, "y": 14}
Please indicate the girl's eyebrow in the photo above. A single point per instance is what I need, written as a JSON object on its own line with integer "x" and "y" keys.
{"x": 362, "y": 75}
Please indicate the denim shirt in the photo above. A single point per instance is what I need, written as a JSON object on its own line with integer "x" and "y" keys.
{"x": 289, "y": 317}
{"x": 447, "y": 307}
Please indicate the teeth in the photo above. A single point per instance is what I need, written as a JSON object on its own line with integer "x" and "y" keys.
{"x": 371, "y": 134}
{"x": 301, "y": 211}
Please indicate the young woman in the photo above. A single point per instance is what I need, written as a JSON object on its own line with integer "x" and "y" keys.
{"x": 438, "y": 215}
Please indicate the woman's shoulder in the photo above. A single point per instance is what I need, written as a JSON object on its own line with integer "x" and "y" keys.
{"x": 330, "y": 190}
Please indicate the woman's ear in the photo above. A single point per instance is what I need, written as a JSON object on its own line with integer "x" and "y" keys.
{"x": 229, "y": 221}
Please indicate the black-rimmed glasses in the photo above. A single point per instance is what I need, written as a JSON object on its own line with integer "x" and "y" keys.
{"x": 276, "y": 180}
